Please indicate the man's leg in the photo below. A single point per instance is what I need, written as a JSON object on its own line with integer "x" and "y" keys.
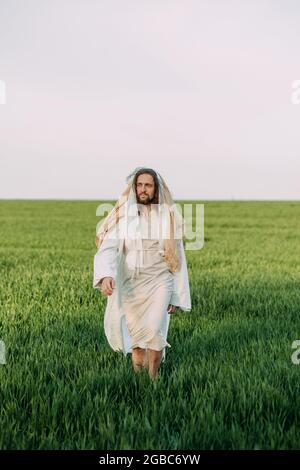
{"x": 146, "y": 359}
{"x": 155, "y": 358}
{"x": 139, "y": 357}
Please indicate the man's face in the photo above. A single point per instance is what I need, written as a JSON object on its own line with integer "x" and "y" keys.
{"x": 145, "y": 189}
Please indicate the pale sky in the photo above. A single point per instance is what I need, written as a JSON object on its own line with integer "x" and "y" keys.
{"x": 198, "y": 90}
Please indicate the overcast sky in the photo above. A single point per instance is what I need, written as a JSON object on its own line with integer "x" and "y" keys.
{"x": 199, "y": 90}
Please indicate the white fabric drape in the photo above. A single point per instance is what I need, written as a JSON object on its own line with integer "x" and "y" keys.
{"x": 108, "y": 262}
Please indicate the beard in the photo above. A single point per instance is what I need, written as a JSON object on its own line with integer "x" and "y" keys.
{"x": 144, "y": 200}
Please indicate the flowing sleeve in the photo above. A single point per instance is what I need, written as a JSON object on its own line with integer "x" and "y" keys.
{"x": 181, "y": 292}
{"x": 105, "y": 261}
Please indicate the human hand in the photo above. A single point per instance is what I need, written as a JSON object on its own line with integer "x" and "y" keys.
{"x": 107, "y": 286}
{"x": 172, "y": 309}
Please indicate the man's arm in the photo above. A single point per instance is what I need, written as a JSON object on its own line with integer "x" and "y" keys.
{"x": 105, "y": 262}
{"x": 181, "y": 293}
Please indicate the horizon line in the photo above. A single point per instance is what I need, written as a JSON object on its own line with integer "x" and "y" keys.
{"x": 175, "y": 199}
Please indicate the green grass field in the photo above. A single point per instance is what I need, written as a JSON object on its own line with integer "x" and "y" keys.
{"x": 228, "y": 381}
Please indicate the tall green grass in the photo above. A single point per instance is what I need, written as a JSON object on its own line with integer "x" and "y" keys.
{"x": 228, "y": 381}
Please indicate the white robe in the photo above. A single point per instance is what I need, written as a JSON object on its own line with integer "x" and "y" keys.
{"x": 108, "y": 262}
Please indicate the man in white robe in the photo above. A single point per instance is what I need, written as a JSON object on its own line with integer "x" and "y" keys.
{"x": 142, "y": 288}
